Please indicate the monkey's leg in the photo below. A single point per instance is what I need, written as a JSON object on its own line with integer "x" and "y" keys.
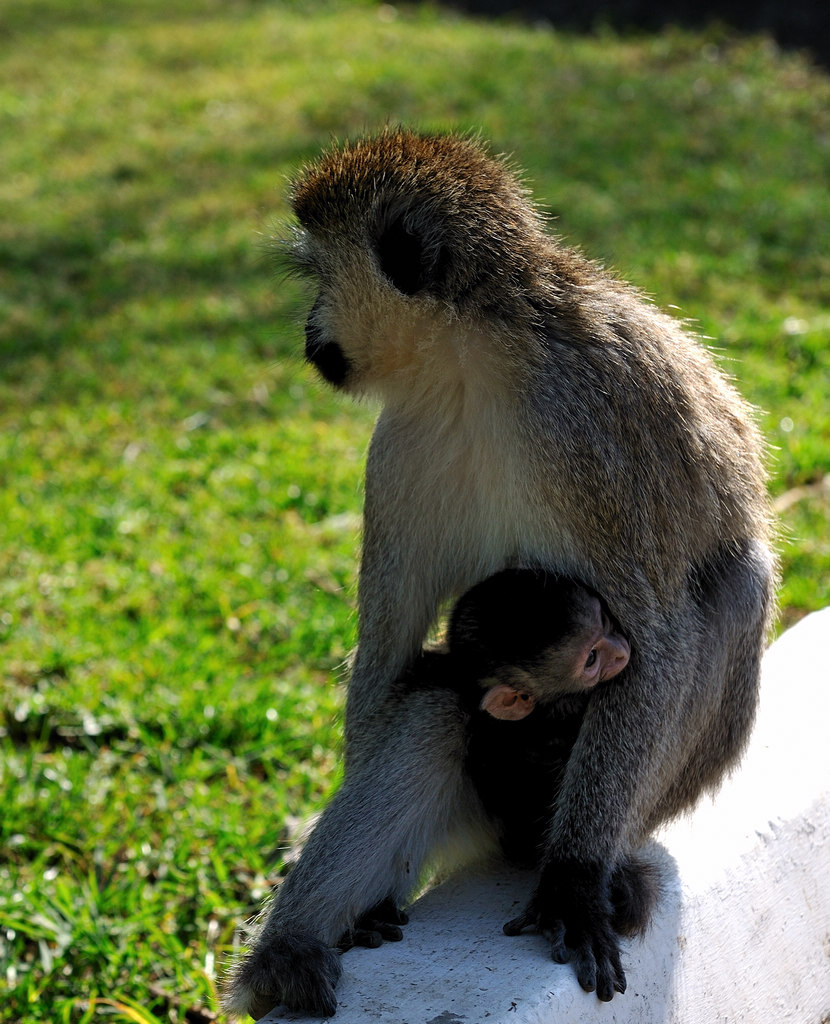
{"x": 393, "y": 812}
{"x": 737, "y": 604}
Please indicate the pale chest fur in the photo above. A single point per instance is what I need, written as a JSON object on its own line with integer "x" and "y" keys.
{"x": 453, "y": 493}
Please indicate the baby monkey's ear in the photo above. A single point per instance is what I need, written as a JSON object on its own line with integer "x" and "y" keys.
{"x": 506, "y": 702}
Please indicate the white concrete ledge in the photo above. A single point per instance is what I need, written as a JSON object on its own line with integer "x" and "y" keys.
{"x": 742, "y": 934}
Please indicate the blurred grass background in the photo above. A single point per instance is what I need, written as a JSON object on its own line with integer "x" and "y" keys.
{"x": 179, "y": 499}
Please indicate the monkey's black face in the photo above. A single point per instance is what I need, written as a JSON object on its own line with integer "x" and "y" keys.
{"x": 326, "y": 355}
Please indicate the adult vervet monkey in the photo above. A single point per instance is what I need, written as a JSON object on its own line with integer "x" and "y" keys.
{"x": 537, "y": 412}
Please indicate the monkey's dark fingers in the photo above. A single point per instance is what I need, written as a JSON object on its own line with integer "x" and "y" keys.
{"x": 386, "y": 911}
{"x": 323, "y": 1003}
{"x": 388, "y": 932}
{"x": 558, "y": 947}
{"x": 378, "y": 925}
{"x": 370, "y": 935}
{"x": 585, "y": 965}
{"x": 609, "y": 975}
{"x": 599, "y": 969}
{"x": 365, "y": 937}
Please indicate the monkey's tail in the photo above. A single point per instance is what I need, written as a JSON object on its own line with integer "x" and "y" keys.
{"x": 636, "y": 884}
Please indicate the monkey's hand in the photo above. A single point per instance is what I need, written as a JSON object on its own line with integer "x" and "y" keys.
{"x": 572, "y": 908}
{"x": 378, "y": 924}
{"x": 297, "y": 971}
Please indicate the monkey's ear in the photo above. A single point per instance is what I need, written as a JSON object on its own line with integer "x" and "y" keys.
{"x": 401, "y": 255}
{"x": 506, "y": 702}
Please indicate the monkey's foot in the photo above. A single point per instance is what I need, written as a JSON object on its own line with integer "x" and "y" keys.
{"x": 377, "y": 925}
{"x": 572, "y": 908}
{"x": 298, "y": 971}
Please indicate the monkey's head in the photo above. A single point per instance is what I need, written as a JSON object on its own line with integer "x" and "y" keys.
{"x": 409, "y": 238}
{"x": 531, "y": 637}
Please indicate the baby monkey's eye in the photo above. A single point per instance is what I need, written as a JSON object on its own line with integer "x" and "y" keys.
{"x": 591, "y": 659}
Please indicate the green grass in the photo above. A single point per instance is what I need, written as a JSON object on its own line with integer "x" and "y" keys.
{"x": 179, "y": 497}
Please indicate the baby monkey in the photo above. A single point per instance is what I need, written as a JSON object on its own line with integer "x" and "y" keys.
{"x": 536, "y": 645}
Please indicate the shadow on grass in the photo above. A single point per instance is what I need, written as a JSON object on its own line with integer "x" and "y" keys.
{"x": 800, "y": 24}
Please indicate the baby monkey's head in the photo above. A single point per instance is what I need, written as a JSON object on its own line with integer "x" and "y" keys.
{"x": 529, "y": 636}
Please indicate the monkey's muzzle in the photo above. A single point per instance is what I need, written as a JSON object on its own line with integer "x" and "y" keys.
{"x": 326, "y": 355}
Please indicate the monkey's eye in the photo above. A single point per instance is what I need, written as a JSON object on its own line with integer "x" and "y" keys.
{"x": 401, "y": 257}
{"x": 591, "y": 659}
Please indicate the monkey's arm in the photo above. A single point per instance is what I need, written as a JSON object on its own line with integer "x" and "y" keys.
{"x": 395, "y": 808}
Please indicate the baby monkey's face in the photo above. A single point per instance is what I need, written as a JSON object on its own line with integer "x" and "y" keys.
{"x": 571, "y": 648}
{"x": 512, "y": 693}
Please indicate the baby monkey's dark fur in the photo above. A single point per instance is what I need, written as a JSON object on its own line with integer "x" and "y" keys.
{"x": 518, "y": 627}
{"x": 536, "y": 411}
